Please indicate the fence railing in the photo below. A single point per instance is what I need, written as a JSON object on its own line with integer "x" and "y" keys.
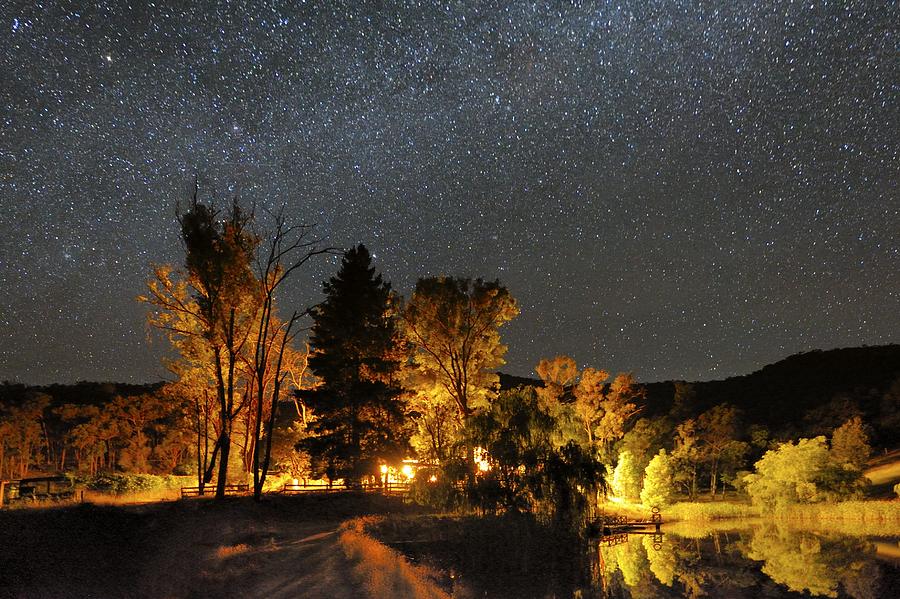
{"x": 230, "y": 490}
{"x": 384, "y": 489}
{"x": 393, "y": 489}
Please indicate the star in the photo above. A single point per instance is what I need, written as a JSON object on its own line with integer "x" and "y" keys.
{"x": 681, "y": 193}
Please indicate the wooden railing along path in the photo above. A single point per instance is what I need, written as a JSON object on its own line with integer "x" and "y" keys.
{"x": 393, "y": 489}
{"x": 230, "y": 490}
{"x": 388, "y": 489}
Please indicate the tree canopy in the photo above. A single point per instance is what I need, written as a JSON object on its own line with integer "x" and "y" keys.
{"x": 454, "y": 327}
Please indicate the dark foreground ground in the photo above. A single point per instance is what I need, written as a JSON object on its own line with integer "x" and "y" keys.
{"x": 283, "y": 547}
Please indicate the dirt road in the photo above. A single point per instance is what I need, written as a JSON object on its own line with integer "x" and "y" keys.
{"x": 284, "y": 547}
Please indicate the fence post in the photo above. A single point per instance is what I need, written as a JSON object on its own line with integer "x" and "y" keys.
{"x": 2, "y": 491}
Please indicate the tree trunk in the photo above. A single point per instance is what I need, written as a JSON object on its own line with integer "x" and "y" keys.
{"x": 223, "y": 443}
{"x": 712, "y": 478}
{"x": 224, "y": 450}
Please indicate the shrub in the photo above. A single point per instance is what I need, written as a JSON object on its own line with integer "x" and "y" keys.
{"x": 801, "y": 473}
{"x": 439, "y": 494}
{"x": 120, "y": 484}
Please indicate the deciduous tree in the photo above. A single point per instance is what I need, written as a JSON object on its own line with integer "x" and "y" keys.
{"x": 454, "y": 325}
{"x": 659, "y": 481}
{"x": 208, "y": 311}
{"x": 626, "y": 479}
{"x": 718, "y": 444}
{"x": 850, "y": 444}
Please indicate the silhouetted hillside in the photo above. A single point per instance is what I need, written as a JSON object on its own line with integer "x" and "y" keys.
{"x": 803, "y": 395}
{"x": 814, "y": 392}
{"x": 81, "y": 393}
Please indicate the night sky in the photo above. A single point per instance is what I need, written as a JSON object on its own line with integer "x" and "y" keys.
{"x": 670, "y": 188}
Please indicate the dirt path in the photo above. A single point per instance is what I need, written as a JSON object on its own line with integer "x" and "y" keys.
{"x": 286, "y": 547}
{"x": 295, "y": 561}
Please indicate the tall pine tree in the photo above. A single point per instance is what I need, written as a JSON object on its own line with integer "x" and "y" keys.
{"x": 357, "y": 352}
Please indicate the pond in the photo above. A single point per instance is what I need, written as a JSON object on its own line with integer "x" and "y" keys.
{"x": 758, "y": 559}
{"x": 507, "y": 558}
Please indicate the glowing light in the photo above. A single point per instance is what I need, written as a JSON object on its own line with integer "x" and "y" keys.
{"x": 433, "y": 478}
{"x": 295, "y": 482}
{"x": 407, "y": 471}
{"x": 482, "y": 459}
{"x": 384, "y": 468}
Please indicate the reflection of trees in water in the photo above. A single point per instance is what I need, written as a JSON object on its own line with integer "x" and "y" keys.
{"x": 679, "y": 568}
{"x": 662, "y": 560}
{"x": 817, "y": 563}
{"x": 725, "y": 564}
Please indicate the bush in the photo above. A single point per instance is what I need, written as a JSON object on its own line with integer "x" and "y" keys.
{"x": 120, "y": 484}
{"x": 439, "y": 494}
{"x": 801, "y": 473}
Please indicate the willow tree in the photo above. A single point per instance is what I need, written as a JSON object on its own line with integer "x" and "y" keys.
{"x": 454, "y": 325}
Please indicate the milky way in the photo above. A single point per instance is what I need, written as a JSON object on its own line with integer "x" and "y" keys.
{"x": 671, "y": 188}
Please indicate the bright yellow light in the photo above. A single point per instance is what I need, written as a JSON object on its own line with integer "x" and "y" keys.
{"x": 384, "y": 468}
{"x": 407, "y": 471}
{"x": 433, "y": 478}
{"x": 481, "y": 459}
{"x": 295, "y": 482}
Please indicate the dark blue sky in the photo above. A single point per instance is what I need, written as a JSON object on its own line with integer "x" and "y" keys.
{"x": 671, "y": 188}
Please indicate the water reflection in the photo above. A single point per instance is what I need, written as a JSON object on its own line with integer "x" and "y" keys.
{"x": 766, "y": 559}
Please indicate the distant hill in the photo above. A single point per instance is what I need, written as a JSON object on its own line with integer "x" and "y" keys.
{"x": 803, "y": 395}
{"x": 80, "y": 393}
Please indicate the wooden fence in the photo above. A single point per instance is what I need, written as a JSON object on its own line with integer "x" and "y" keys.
{"x": 230, "y": 490}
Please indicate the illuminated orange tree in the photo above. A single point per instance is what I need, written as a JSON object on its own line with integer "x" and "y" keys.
{"x": 598, "y": 410}
{"x": 219, "y": 313}
{"x": 454, "y": 325}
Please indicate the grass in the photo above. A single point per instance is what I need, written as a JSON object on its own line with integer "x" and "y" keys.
{"x": 691, "y": 511}
{"x": 383, "y": 571}
{"x": 874, "y": 512}
{"x": 706, "y": 511}
{"x": 869, "y": 511}
{"x": 226, "y": 551}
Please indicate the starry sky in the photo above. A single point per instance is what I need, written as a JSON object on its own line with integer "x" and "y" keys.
{"x": 681, "y": 189}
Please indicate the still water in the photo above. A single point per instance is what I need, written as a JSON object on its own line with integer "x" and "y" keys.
{"x": 758, "y": 559}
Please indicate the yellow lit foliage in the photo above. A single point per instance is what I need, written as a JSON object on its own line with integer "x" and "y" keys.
{"x": 803, "y": 561}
